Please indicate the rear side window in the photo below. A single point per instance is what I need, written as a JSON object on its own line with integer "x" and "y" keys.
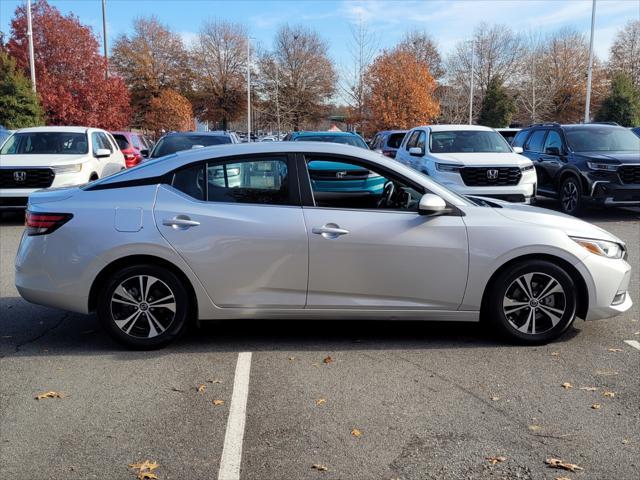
{"x": 394, "y": 140}
{"x": 519, "y": 139}
{"x": 536, "y": 140}
{"x": 122, "y": 141}
{"x": 256, "y": 181}
{"x": 136, "y": 141}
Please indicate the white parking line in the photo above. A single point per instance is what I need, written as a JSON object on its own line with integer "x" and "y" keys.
{"x": 633, "y": 343}
{"x": 232, "y": 449}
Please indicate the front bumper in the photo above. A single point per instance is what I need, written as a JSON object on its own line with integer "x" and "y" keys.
{"x": 607, "y": 284}
{"x": 15, "y": 198}
{"x": 612, "y": 193}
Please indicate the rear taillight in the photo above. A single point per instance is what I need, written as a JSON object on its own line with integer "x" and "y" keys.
{"x": 129, "y": 156}
{"x": 45, "y": 223}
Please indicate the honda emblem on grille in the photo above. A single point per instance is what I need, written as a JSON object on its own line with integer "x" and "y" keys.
{"x": 492, "y": 174}
{"x": 341, "y": 174}
{"x": 20, "y": 176}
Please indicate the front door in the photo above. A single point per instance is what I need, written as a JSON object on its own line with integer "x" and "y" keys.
{"x": 237, "y": 225}
{"x": 372, "y": 250}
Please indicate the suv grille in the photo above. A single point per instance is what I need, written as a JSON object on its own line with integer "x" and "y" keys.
{"x": 629, "y": 173}
{"x": 26, "y": 177}
{"x": 487, "y": 176}
{"x": 339, "y": 174}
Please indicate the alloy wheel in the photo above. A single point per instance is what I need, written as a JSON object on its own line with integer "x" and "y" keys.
{"x": 143, "y": 306}
{"x": 569, "y": 196}
{"x": 534, "y": 303}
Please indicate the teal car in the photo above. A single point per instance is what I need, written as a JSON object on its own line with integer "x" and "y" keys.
{"x": 340, "y": 177}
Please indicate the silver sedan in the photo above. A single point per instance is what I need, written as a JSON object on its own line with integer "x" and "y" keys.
{"x": 242, "y": 231}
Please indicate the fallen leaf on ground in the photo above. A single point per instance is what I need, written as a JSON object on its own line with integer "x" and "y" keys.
{"x": 217, "y": 403}
{"x": 557, "y": 463}
{"x": 609, "y": 394}
{"x": 291, "y": 359}
{"x": 494, "y": 460}
{"x": 567, "y": 385}
{"x": 589, "y": 389}
{"x": 51, "y": 394}
{"x": 327, "y": 359}
{"x": 215, "y": 380}
{"x": 625, "y": 441}
{"x": 321, "y": 401}
{"x": 555, "y": 354}
{"x": 615, "y": 349}
{"x": 495, "y": 399}
{"x": 201, "y": 388}
{"x": 320, "y": 468}
{"x": 596, "y": 406}
{"x": 535, "y": 428}
{"x": 147, "y": 476}
{"x": 356, "y": 433}
{"x": 145, "y": 466}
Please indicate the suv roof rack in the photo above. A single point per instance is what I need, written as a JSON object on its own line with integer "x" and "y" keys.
{"x": 546, "y": 124}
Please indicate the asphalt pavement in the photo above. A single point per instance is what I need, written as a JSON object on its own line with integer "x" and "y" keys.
{"x": 326, "y": 400}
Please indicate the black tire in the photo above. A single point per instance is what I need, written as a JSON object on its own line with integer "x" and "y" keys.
{"x": 154, "y": 326}
{"x": 570, "y": 196}
{"x": 510, "y": 318}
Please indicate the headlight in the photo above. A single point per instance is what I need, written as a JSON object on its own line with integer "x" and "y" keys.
{"x": 601, "y": 247}
{"x": 73, "y": 168}
{"x": 606, "y": 167}
{"x": 447, "y": 167}
{"x": 527, "y": 168}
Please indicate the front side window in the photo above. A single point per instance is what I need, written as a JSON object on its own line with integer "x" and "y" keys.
{"x": 342, "y": 184}
{"x": 602, "y": 139}
{"x": 257, "y": 181}
{"x": 105, "y": 142}
{"x": 553, "y": 141}
{"x": 413, "y": 139}
{"x": 46, "y": 143}
{"x": 518, "y": 140}
{"x": 468, "y": 141}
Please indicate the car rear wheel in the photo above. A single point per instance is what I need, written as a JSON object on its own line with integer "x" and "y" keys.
{"x": 532, "y": 302}
{"x": 571, "y": 195}
{"x": 144, "y": 306}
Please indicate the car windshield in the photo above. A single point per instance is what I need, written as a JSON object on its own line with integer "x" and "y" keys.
{"x": 467, "y": 141}
{"x": 352, "y": 140}
{"x": 604, "y": 139}
{"x": 176, "y": 143}
{"x": 46, "y": 143}
{"x": 122, "y": 141}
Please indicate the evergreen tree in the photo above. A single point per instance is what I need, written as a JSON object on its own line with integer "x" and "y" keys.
{"x": 622, "y": 105}
{"x": 498, "y": 106}
{"x": 19, "y": 106}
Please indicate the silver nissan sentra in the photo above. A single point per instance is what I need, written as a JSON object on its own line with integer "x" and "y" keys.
{"x": 244, "y": 231}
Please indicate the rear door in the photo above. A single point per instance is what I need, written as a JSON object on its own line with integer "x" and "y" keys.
{"x": 239, "y": 225}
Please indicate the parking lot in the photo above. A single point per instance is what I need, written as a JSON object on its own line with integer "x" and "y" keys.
{"x": 327, "y": 400}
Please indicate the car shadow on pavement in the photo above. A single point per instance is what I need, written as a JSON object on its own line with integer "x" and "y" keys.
{"x": 29, "y": 330}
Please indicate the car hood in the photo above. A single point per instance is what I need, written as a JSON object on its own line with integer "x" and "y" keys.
{"x": 25, "y": 161}
{"x": 482, "y": 159}
{"x": 541, "y": 216}
{"x": 622, "y": 157}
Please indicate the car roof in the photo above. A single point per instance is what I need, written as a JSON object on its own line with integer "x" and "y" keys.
{"x": 199, "y": 134}
{"x": 335, "y": 134}
{"x": 55, "y": 129}
{"x": 448, "y": 128}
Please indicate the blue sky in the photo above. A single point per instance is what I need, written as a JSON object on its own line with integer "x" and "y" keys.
{"x": 447, "y": 21}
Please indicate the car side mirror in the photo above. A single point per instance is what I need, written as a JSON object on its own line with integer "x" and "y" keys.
{"x": 518, "y": 150}
{"x": 144, "y": 152}
{"x": 102, "y": 152}
{"x": 431, "y": 204}
{"x": 416, "y": 151}
{"x": 552, "y": 151}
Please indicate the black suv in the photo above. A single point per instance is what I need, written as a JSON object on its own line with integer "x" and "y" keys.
{"x": 591, "y": 162}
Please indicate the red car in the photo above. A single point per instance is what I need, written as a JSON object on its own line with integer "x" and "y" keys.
{"x": 134, "y": 146}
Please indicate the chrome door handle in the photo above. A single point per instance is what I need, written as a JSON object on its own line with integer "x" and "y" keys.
{"x": 181, "y": 222}
{"x": 330, "y": 230}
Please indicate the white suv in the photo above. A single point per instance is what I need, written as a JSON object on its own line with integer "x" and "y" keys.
{"x": 470, "y": 159}
{"x": 44, "y": 157}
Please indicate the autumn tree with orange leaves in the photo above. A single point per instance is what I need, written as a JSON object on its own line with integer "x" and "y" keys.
{"x": 400, "y": 92}
{"x": 169, "y": 111}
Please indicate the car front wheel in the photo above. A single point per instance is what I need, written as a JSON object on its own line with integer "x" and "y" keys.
{"x": 571, "y": 196}
{"x": 532, "y": 302}
{"x": 144, "y": 306}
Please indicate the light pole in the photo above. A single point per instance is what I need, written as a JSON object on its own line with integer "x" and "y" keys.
{"x": 277, "y": 101}
{"x": 248, "y": 89}
{"x": 587, "y": 117}
{"x": 104, "y": 36}
{"x": 473, "y": 61}
{"x": 32, "y": 63}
